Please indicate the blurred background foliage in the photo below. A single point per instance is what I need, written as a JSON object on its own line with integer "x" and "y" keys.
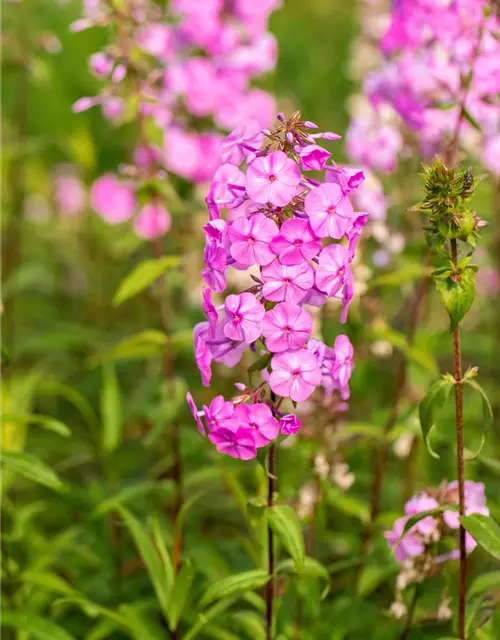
{"x": 87, "y": 413}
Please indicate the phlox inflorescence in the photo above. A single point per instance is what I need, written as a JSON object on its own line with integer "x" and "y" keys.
{"x": 296, "y": 238}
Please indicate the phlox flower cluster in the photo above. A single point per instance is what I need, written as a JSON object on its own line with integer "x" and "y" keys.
{"x": 428, "y": 537}
{"x": 439, "y": 67}
{"x": 295, "y": 238}
{"x": 187, "y": 71}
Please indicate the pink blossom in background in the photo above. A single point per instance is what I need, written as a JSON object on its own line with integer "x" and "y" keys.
{"x": 422, "y": 537}
{"x": 113, "y": 200}
{"x": 70, "y": 194}
{"x": 152, "y": 221}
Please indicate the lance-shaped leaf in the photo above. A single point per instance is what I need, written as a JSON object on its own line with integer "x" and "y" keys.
{"x": 487, "y": 582}
{"x": 487, "y": 413}
{"x": 36, "y": 626}
{"x": 457, "y": 292}
{"x": 312, "y": 569}
{"x": 111, "y": 408}
{"x": 430, "y": 406}
{"x": 142, "y": 276}
{"x": 485, "y": 532}
{"x": 180, "y": 594}
{"x": 285, "y": 524}
{"x": 31, "y": 468}
{"x": 235, "y": 585}
{"x": 414, "y": 519}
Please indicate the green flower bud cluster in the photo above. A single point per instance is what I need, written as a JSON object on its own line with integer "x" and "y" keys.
{"x": 447, "y": 196}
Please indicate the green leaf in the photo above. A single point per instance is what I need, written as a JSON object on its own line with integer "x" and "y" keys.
{"x": 142, "y": 276}
{"x": 407, "y": 273}
{"x": 146, "y": 344}
{"x": 180, "y": 593}
{"x": 431, "y": 404}
{"x": 111, "y": 409}
{"x": 374, "y": 575}
{"x": 465, "y": 114}
{"x": 149, "y": 555}
{"x": 260, "y": 364}
{"x": 161, "y": 546}
{"x": 31, "y": 468}
{"x": 312, "y": 569}
{"x": 457, "y": 294}
{"x": 37, "y": 626}
{"x": 234, "y": 585}
{"x": 349, "y": 504}
{"x": 415, "y": 519}
{"x": 482, "y": 584}
{"x": 485, "y": 532}
{"x": 205, "y": 617}
{"x": 487, "y": 413}
{"x": 249, "y": 623}
{"x": 134, "y": 492}
{"x": 285, "y": 524}
{"x": 47, "y": 422}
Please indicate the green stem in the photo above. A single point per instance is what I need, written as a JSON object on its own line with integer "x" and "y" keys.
{"x": 459, "y": 420}
{"x": 271, "y": 471}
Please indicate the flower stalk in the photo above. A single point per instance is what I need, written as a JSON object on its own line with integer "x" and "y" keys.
{"x": 271, "y": 487}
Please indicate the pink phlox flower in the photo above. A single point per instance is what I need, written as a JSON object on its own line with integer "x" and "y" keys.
{"x": 329, "y": 211}
{"x": 250, "y": 240}
{"x": 242, "y": 142}
{"x": 209, "y": 309}
{"x": 296, "y": 242}
{"x": 411, "y": 544}
{"x": 295, "y": 374}
{"x": 417, "y": 504}
{"x": 259, "y": 418}
{"x": 216, "y": 230}
{"x": 286, "y": 283}
{"x": 196, "y": 414}
{"x": 290, "y": 424}
{"x": 333, "y": 269}
{"x": 475, "y": 501}
{"x": 213, "y": 274}
{"x": 202, "y": 354}
{"x": 223, "y": 349}
{"x": 245, "y": 314}
{"x": 229, "y": 184}
{"x": 343, "y": 365}
{"x": 237, "y": 444}
{"x": 273, "y": 178}
{"x": 287, "y": 326}
{"x": 220, "y": 413}
{"x": 348, "y": 178}
{"x": 313, "y": 157}
{"x": 353, "y": 232}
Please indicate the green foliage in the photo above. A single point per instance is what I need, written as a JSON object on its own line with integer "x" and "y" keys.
{"x": 485, "y": 531}
{"x": 457, "y": 289}
{"x": 285, "y": 524}
{"x": 431, "y": 405}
